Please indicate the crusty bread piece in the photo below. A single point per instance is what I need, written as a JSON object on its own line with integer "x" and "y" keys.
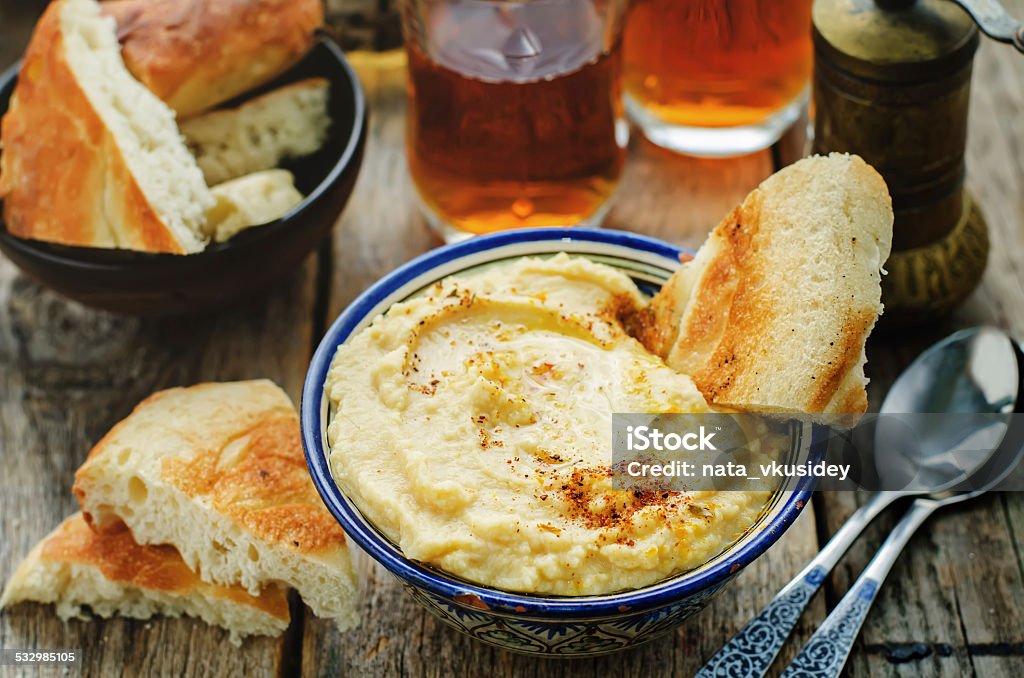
{"x": 90, "y": 156}
{"x": 196, "y": 54}
{"x": 288, "y": 122}
{"x": 217, "y": 471}
{"x": 252, "y": 200}
{"x": 773, "y": 312}
{"x": 109, "y": 573}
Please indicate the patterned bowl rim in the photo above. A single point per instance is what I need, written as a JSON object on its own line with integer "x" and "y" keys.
{"x": 441, "y": 262}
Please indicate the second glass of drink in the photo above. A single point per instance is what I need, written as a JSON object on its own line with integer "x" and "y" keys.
{"x": 515, "y": 116}
{"x": 717, "y": 77}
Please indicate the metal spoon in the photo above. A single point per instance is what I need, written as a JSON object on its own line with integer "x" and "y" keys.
{"x": 973, "y": 370}
{"x": 826, "y": 652}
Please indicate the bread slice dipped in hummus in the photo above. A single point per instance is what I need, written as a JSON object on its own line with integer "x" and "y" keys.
{"x": 217, "y": 472}
{"x": 90, "y": 156}
{"x": 471, "y": 421}
{"x": 772, "y": 313}
{"x": 110, "y": 574}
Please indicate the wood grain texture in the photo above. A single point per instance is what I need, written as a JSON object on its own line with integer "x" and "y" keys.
{"x": 381, "y": 226}
{"x": 680, "y": 198}
{"x": 68, "y": 373}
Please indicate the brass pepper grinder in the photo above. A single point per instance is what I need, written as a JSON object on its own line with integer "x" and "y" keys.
{"x": 891, "y": 83}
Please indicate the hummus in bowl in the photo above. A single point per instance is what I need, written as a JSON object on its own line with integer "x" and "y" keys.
{"x": 470, "y": 513}
{"x": 472, "y": 427}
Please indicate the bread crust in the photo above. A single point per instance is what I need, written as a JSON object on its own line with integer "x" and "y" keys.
{"x": 763, "y": 324}
{"x": 243, "y": 461}
{"x": 109, "y": 573}
{"x": 196, "y": 54}
{"x": 63, "y": 177}
{"x": 218, "y": 472}
{"x": 265, "y": 487}
{"x": 159, "y": 568}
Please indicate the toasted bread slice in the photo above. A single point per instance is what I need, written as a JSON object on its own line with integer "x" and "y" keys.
{"x": 252, "y": 200}
{"x": 110, "y": 574}
{"x": 196, "y": 54}
{"x": 773, "y": 312}
{"x": 90, "y": 156}
{"x": 288, "y": 122}
{"x": 217, "y": 471}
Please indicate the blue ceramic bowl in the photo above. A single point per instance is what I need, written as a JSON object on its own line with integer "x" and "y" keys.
{"x": 532, "y": 624}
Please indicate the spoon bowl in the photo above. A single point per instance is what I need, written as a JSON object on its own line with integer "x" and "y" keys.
{"x": 947, "y": 413}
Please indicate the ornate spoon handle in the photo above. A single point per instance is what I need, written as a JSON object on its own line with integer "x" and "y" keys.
{"x": 750, "y": 652}
{"x": 826, "y": 652}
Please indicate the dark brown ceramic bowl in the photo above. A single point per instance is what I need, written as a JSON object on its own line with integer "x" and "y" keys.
{"x": 164, "y": 284}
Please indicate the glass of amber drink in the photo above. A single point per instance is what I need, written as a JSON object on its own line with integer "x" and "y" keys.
{"x": 515, "y": 116}
{"x": 716, "y": 77}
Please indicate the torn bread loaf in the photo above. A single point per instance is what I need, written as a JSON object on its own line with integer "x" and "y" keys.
{"x": 288, "y": 122}
{"x": 90, "y": 156}
{"x": 196, "y": 54}
{"x": 75, "y": 568}
{"x": 252, "y": 200}
{"x": 773, "y": 312}
{"x": 217, "y": 471}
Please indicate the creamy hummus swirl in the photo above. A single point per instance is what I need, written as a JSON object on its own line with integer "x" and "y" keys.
{"x": 472, "y": 426}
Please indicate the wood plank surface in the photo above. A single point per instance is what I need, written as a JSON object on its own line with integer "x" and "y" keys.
{"x": 954, "y": 604}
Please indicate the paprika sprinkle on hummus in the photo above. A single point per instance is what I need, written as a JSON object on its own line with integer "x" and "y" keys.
{"x": 472, "y": 426}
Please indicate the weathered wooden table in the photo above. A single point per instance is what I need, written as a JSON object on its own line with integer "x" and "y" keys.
{"x": 954, "y": 604}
